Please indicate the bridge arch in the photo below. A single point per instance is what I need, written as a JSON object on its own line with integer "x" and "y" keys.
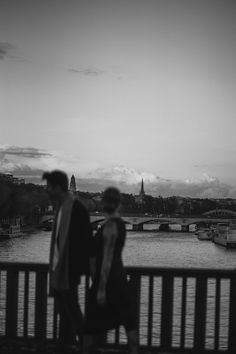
{"x": 142, "y": 222}
{"x": 220, "y": 212}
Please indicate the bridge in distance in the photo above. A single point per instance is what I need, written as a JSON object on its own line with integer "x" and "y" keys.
{"x": 211, "y": 217}
{"x": 137, "y": 222}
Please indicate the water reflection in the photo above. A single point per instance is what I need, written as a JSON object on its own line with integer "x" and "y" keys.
{"x": 160, "y": 249}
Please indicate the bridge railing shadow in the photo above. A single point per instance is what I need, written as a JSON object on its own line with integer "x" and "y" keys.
{"x": 178, "y": 310}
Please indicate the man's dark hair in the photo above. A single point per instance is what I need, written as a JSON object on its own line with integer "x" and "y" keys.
{"x": 57, "y": 178}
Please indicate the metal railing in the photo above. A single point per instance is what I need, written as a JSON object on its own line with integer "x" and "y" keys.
{"x": 182, "y": 310}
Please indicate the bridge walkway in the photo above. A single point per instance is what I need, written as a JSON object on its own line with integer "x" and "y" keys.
{"x": 33, "y": 348}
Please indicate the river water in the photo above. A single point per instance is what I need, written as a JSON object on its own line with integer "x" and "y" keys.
{"x": 149, "y": 248}
{"x": 158, "y": 249}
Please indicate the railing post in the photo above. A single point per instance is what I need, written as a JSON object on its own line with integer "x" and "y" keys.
{"x": 135, "y": 285}
{"x": 166, "y": 311}
{"x": 232, "y": 315}
{"x": 12, "y": 303}
{"x": 41, "y": 305}
{"x": 200, "y": 313}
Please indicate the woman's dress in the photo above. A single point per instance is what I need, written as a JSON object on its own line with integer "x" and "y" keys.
{"x": 118, "y": 309}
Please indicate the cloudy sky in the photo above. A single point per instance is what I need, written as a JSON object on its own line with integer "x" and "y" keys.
{"x": 119, "y": 90}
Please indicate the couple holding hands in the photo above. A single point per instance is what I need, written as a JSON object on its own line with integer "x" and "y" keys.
{"x": 74, "y": 252}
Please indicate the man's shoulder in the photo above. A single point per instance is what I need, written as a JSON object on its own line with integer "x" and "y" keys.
{"x": 78, "y": 207}
{"x": 77, "y": 202}
{"x": 80, "y": 218}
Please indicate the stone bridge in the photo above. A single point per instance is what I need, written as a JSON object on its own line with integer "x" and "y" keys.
{"x": 137, "y": 222}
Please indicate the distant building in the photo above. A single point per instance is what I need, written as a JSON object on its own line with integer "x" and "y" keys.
{"x": 140, "y": 199}
{"x": 72, "y": 184}
{"x": 8, "y": 177}
{"x": 18, "y": 180}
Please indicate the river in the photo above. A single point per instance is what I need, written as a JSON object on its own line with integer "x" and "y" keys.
{"x": 158, "y": 249}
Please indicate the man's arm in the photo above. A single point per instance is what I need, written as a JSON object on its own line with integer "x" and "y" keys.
{"x": 81, "y": 219}
{"x": 80, "y": 233}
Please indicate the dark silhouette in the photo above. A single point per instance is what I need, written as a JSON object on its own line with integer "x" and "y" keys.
{"x": 109, "y": 302}
{"x": 69, "y": 256}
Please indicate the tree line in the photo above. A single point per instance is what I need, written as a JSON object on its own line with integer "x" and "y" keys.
{"x": 29, "y": 200}
{"x": 24, "y": 200}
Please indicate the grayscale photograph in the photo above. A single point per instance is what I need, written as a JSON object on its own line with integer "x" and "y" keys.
{"x": 117, "y": 176}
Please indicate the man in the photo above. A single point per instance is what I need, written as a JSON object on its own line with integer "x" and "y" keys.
{"x": 69, "y": 255}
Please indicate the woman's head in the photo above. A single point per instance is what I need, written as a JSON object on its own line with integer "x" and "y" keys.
{"x": 111, "y": 200}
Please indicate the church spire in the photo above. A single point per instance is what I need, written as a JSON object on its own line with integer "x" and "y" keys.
{"x": 72, "y": 184}
{"x": 140, "y": 199}
{"x": 142, "y": 188}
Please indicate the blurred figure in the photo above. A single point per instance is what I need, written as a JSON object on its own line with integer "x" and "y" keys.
{"x": 110, "y": 303}
{"x": 69, "y": 256}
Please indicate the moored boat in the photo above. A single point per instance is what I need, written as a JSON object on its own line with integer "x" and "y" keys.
{"x": 47, "y": 225}
{"x": 204, "y": 234}
{"x": 225, "y": 235}
{"x": 10, "y": 231}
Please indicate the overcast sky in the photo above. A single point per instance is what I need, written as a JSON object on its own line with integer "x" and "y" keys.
{"x": 148, "y": 85}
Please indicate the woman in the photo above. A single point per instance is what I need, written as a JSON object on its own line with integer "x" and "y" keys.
{"x": 109, "y": 302}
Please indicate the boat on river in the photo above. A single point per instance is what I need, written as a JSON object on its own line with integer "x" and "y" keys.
{"x": 225, "y": 235}
{"x": 46, "y": 225}
{"x": 204, "y": 234}
{"x": 10, "y": 231}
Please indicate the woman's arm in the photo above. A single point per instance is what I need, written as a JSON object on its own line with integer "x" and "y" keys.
{"x": 109, "y": 237}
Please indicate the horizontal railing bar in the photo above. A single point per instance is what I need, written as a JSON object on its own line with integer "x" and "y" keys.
{"x": 21, "y": 266}
{"x": 133, "y": 270}
{"x": 180, "y": 272}
{"x": 158, "y": 349}
{"x": 33, "y": 343}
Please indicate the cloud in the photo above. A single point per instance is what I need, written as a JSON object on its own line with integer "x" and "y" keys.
{"x": 200, "y": 189}
{"x": 129, "y": 181}
{"x": 28, "y": 152}
{"x": 93, "y": 72}
{"x": 201, "y": 166}
{"x": 122, "y": 174}
{"x": 7, "y": 52}
{"x": 161, "y": 187}
{"x": 29, "y": 163}
{"x": 90, "y": 71}
{"x": 23, "y": 162}
{"x": 5, "y": 49}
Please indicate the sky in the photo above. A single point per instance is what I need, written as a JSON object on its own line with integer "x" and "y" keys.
{"x": 121, "y": 90}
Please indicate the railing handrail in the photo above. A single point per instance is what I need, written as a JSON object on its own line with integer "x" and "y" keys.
{"x": 144, "y": 270}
